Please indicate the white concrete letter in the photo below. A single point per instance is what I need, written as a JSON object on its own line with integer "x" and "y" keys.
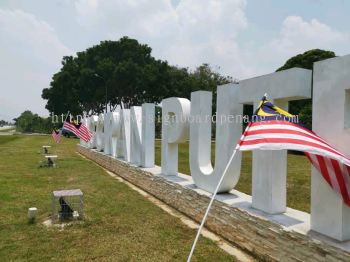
{"x": 100, "y": 133}
{"x": 228, "y": 131}
{"x": 175, "y": 129}
{"x": 142, "y": 135}
{"x": 108, "y": 133}
{"x": 330, "y": 120}
{"x": 115, "y": 126}
{"x": 148, "y": 135}
{"x": 135, "y": 135}
{"x": 270, "y": 167}
{"x": 84, "y": 121}
{"x": 92, "y": 125}
{"x": 123, "y": 144}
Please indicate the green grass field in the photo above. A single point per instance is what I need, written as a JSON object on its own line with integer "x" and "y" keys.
{"x": 298, "y": 179}
{"x": 7, "y": 129}
{"x": 120, "y": 225}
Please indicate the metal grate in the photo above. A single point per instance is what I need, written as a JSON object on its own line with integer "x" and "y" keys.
{"x": 67, "y": 205}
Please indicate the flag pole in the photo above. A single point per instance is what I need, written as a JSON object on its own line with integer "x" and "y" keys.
{"x": 217, "y": 189}
{"x": 215, "y": 193}
{"x": 210, "y": 204}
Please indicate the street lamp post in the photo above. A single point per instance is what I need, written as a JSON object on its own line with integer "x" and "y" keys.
{"x": 97, "y": 75}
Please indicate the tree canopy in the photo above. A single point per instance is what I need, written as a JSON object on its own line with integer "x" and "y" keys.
{"x": 127, "y": 72}
{"x": 303, "y": 108}
{"x": 28, "y": 122}
{"x": 307, "y": 59}
{"x": 4, "y": 123}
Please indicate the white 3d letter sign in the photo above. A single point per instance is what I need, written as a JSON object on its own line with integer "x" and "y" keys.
{"x": 85, "y": 121}
{"x": 330, "y": 120}
{"x": 123, "y": 142}
{"x": 227, "y": 135}
{"x": 269, "y": 186}
{"x": 175, "y": 130}
{"x": 135, "y": 135}
{"x": 142, "y": 135}
{"x": 108, "y": 121}
{"x": 129, "y": 134}
{"x": 148, "y": 134}
{"x": 100, "y": 133}
{"x": 115, "y": 130}
{"x": 92, "y": 126}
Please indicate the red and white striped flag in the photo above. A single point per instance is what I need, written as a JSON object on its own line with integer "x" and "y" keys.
{"x": 275, "y": 129}
{"x": 56, "y": 135}
{"x": 79, "y": 129}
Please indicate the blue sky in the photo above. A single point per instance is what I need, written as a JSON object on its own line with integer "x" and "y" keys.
{"x": 241, "y": 38}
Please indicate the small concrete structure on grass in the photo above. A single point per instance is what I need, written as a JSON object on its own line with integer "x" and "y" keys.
{"x": 46, "y": 149}
{"x": 67, "y": 205}
{"x": 32, "y": 211}
{"x": 51, "y": 160}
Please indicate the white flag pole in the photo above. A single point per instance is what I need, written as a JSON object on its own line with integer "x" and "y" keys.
{"x": 210, "y": 204}
{"x": 214, "y": 194}
{"x": 216, "y": 191}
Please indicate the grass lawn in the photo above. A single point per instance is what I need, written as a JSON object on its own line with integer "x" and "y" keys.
{"x": 298, "y": 179}
{"x": 120, "y": 224}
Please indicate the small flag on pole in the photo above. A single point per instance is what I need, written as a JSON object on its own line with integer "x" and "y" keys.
{"x": 79, "y": 129}
{"x": 56, "y": 135}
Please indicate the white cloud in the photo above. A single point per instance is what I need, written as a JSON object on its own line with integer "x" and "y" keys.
{"x": 297, "y": 36}
{"x": 184, "y": 32}
{"x": 30, "y": 53}
{"x": 117, "y": 17}
{"x": 187, "y": 34}
{"x": 208, "y": 33}
{"x": 294, "y": 37}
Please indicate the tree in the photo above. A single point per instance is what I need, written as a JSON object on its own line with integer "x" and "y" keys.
{"x": 127, "y": 72}
{"x": 123, "y": 69}
{"x": 303, "y": 108}
{"x": 28, "y": 122}
{"x": 115, "y": 67}
{"x": 180, "y": 82}
{"x": 307, "y": 59}
{"x": 4, "y": 123}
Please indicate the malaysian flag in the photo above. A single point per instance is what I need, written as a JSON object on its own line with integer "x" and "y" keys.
{"x": 79, "y": 129}
{"x": 272, "y": 128}
{"x": 56, "y": 135}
